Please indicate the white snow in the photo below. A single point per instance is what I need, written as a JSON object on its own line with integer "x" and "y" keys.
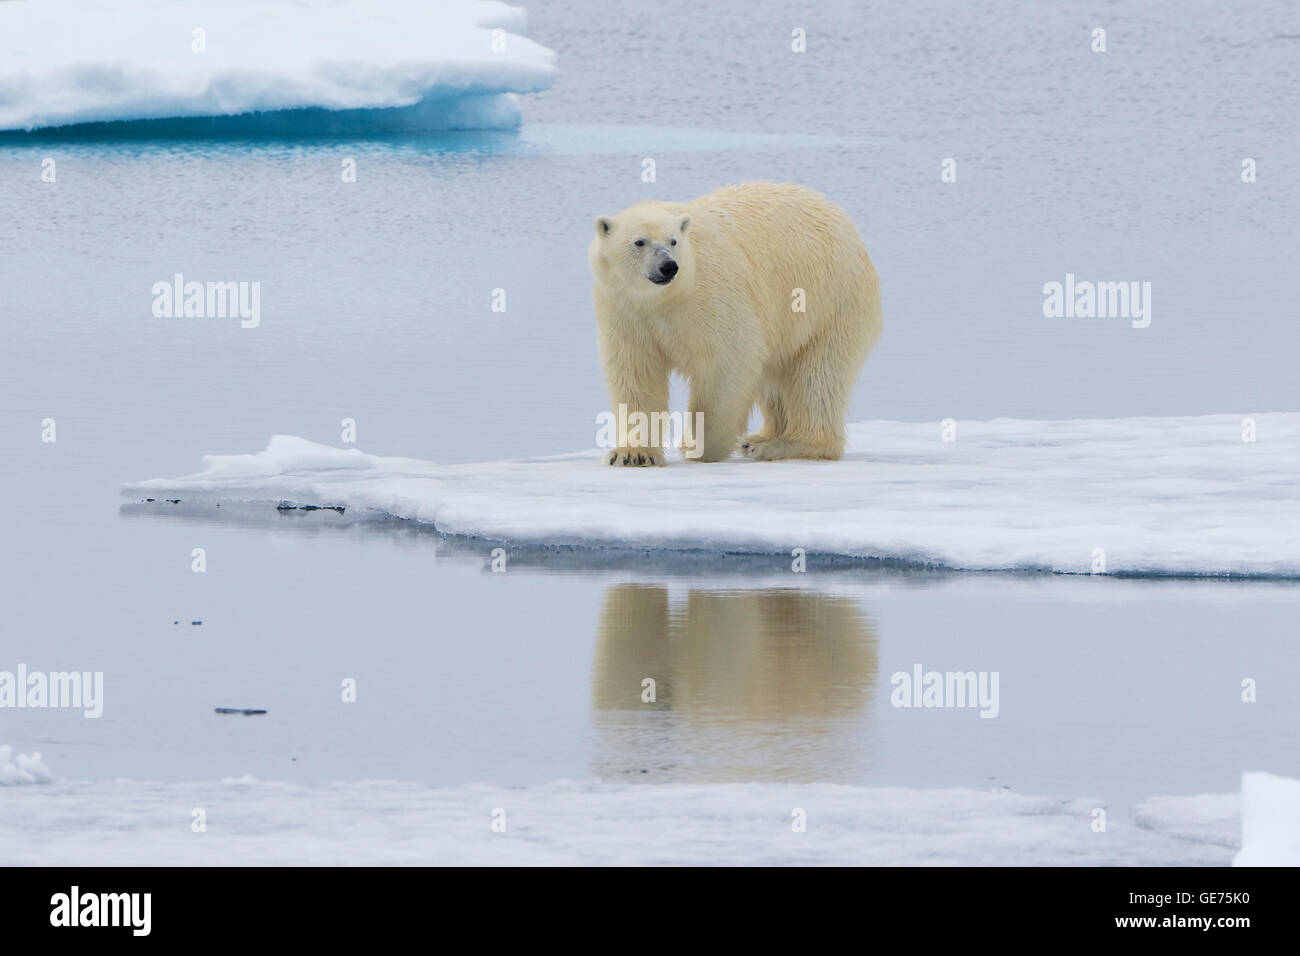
{"x": 79, "y": 61}
{"x": 378, "y": 823}
{"x": 1207, "y": 817}
{"x": 383, "y": 823}
{"x": 17, "y": 769}
{"x": 1270, "y": 821}
{"x": 1157, "y": 495}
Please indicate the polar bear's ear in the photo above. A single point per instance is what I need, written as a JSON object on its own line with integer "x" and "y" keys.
{"x": 686, "y": 223}
{"x": 604, "y": 226}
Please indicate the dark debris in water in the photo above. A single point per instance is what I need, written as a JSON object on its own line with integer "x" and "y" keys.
{"x": 246, "y": 712}
{"x": 290, "y": 506}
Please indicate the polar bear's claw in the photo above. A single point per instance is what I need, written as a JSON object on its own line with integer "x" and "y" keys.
{"x": 632, "y": 458}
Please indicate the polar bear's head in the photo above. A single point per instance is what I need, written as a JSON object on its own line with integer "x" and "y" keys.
{"x": 643, "y": 251}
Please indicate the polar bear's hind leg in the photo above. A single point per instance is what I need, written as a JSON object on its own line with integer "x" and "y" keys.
{"x": 814, "y": 400}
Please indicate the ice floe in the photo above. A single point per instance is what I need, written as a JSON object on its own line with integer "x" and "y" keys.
{"x": 387, "y": 64}
{"x": 18, "y": 769}
{"x": 1132, "y": 496}
{"x": 381, "y": 823}
{"x": 1270, "y": 821}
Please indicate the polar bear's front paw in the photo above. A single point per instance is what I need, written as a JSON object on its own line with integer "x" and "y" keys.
{"x": 635, "y": 457}
{"x": 752, "y": 446}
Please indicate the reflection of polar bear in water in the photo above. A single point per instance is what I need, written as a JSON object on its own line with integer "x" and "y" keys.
{"x": 736, "y": 654}
{"x": 749, "y": 685}
{"x": 761, "y": 292}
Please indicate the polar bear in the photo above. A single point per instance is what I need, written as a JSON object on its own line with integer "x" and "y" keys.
{"x": 758, "y": 292}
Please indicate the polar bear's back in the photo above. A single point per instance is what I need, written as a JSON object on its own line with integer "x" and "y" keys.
{"x": 781, "y": 214}
{"x": 763, "y": 241}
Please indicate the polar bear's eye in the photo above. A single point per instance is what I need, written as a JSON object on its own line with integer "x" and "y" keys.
{"x": 672, "y": 242}
{"x": 639, "y": 242}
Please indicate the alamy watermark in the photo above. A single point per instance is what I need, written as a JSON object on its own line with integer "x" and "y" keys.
{"x": 1073, "y": 299}
{"x": 946, "y": 689}
{"x": 651, "y": 430}
{"x": 208, "y": 300}
{"x": 128, "y": 910}
{"x": 57, "y": 689}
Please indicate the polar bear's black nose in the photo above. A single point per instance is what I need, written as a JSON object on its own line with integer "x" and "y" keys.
{"x": 668, "y": 269}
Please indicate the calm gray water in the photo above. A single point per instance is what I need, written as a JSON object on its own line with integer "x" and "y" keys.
{"x": 376, "y": 306}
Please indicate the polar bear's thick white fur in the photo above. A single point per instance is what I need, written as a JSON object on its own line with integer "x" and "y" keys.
{"x": 756, "y": 293}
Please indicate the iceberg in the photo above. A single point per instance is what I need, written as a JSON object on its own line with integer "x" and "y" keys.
{"x": 266, "y": 64}
{"x": 1270, "y": 821}
{"x": 1134, "y": 496}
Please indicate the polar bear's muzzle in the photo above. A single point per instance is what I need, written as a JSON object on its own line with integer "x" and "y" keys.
{"x": 665, "y": 270}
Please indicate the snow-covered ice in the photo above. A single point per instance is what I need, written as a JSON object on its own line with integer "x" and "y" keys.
{"x": 18, "y": 769}
{"x": 1270, "y": 821}
{"x": 1180, "y": 495}
{"x": 78, "y": 61}
{"x": 377, "y": 823}
{"x": 1206, "y": 817}
{"x": 383, "y": 823}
